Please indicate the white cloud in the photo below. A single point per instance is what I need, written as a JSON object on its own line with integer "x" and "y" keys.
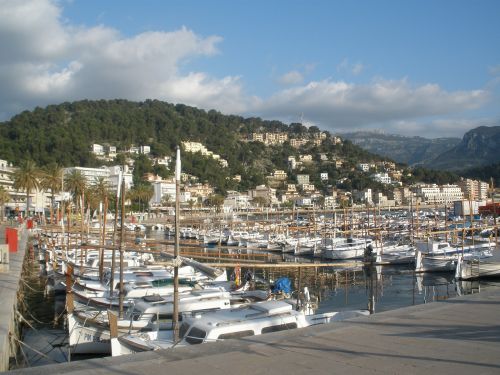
{"x": 494, "y": 70}
{"x": 201, "y": 90}
{"x": 341, "y": 105}
{"x": 291, "y": 78}
{"x": 45, "y": 60}
{"x": 357, "y": 68}
{"x": 354, "y": 69}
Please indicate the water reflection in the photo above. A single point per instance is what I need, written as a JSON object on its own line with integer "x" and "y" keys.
{"x": 347, "y": 286}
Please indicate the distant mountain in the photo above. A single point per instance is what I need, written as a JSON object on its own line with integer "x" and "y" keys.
{"x": 479, "y": 147}
{"x": 408, "y": 150}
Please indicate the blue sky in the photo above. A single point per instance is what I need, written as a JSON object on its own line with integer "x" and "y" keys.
{"x": 428, "y": 68}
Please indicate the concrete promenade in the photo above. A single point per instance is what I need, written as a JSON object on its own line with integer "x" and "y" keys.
{"x": 10, "y": 276}
{"x": 456, "y": 336}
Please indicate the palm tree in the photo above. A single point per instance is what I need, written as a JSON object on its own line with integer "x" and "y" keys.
{"x": 4, "y": 198}
{"x": 27, "y": 178}
{"x": 166, "y": 200}
{"x": 143, "y": 194}
{"x": 101, "y": 192}
{"x": 76, "y": 183}
{"x": 215, "y": 200}
{"x": 92, "y": 199}
{"x": 52, "y": 178}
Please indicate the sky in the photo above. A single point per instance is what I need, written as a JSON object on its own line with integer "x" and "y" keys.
{"x": 415, "y": 67}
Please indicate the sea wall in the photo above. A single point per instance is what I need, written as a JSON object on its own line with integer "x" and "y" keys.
{"x": 10, "y": 282}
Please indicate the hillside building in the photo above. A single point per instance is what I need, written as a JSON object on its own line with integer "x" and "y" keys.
{"x": 262, "y": 191}
{"x": 382, "y": 178}
{"x": 236, "y": 200}
{"x": 365, "y": 167}
{"x": 363, "y": 196}
{"x": 474, "y": 189}
{"x": 110, "y": 174}
{"x": 302, "y": 179}
{"x": 434, "y": 194}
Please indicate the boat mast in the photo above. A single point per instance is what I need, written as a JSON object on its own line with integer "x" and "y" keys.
{"x": 113, "y": 253}
{"x": 175, "y": 314}
{"x": 122, "y": 240}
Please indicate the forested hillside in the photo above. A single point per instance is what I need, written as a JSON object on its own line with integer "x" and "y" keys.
{"x": 64, "y": 133}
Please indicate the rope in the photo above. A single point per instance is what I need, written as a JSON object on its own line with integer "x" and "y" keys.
{"x": 33, "y": 349}
{"x": 25, "y": 356}
{"x": 32, "y": 317}
{"x": 24, "y": 319}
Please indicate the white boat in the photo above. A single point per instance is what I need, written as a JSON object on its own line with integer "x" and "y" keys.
{"x": 435, "y": 263}
{"x": 345, "y": 248}
{"x": 446, "y": 262}
{"x": 472, "y": 269}
{"x": 89, "y": 328}
{"x": 141, "y": 283}
{"x": 307, "y": 245}
{"x": 434, "y": 247}
{"x": 246, "y": 237}
{"x": 158, "y": 227}
{"x": 390, "y": 254}
{"x": 253, "y": 319}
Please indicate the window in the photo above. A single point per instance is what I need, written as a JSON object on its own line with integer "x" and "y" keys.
{"x": 195, "y": 336}
{"x": 280, "y": 327}
{"x": 235, "y": 335}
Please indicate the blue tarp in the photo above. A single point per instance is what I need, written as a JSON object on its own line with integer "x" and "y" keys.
{"x": 282, "y": 285}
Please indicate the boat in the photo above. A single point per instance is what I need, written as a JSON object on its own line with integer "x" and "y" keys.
{"x": 249, "y": 320}
{"x": 307, "y": 245}
{"x": 446, "y": 262}
{"x": 436, "y": 247}
{"x": 89, "y": 328}
{"x": 345, "y": 248}
{"x": 391, "y": 254}
{"x": 473, "y": 269}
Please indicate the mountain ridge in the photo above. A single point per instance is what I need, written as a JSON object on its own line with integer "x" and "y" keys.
{"x": 479, "y": 147}
{"x": 413, "y": 150}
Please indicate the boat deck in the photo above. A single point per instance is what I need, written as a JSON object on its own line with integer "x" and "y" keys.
{"x": 454, "y": 336}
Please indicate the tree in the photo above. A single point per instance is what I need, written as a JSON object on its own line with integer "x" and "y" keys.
{"x": 215, "y": 200}
{"x": 27, "y": 178}
{"x": 4, "y": 198}
{"x": 260, "y": 201}
{"x": 51, "y": 179}
{"x": 141, "y": 194}
{"x": 76, "y": 183}
{"x": 166, "y": 200}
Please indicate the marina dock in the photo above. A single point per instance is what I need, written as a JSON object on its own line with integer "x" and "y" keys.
{"x": 454, "y": 336}
{"x": 10, "y": 278}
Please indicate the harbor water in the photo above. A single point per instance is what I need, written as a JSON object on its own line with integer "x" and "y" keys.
{"x": 377, "y": 288}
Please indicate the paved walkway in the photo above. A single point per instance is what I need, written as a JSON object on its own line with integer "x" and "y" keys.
{"x": 10, "y": 276}
{"x": 457, "y": 336}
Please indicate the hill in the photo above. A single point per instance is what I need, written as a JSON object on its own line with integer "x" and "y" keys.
{"x": 64, "y": 133}
{"x": 479, "y": 147}
{"x": 408, "y": 150}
